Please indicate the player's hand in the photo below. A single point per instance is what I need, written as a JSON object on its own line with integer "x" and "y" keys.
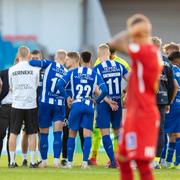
{"x": 114, "y": 105}
{"x": 167, "y": 109}
{"x": 69, "y": 101}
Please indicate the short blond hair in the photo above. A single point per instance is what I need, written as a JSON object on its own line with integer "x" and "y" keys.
{"x": 23, "y": 52}
{"x": 60, "y": 54}
{"x": 171, "y": 46}
{"x": 103, "y": 46}
{"x": 157, "y": 41}
{"x": 74, "y": 55}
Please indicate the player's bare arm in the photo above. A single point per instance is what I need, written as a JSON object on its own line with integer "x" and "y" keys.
{"x": 113, "y": 104}
{"x": 120, "y": 42}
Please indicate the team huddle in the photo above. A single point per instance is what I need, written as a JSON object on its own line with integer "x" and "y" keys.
{"x": 73, "y": 96}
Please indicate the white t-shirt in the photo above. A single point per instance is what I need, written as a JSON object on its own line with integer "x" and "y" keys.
{"x": 23, "y": 82}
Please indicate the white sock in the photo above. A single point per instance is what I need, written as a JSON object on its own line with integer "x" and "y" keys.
{"x": 24, "y": 157}
{"x": 39, "y": 156}
{"x": 85, "y": 162}
{"x": 12, "y": 157}
{"x": 56, "y": 161}
{"x": 32, "y": 157}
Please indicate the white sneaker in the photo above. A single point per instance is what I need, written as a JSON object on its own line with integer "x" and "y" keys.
{"x": 56, "y": 165}
{"x": 43, "y": 164}
{"x": 84, "y": 165}
{"x": 69, "y": 165}
{"x": 163, "y": 163}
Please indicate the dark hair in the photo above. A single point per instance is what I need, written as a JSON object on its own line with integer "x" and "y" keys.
{"x": 86, "y": 56}
{"x": 174, "y": 55}
{"x": 35, "y": 52}
{"x": 112, "y": 50}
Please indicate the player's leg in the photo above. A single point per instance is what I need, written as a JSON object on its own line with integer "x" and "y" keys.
{"x": 171, "y": 150}
{"x": 177, "y": 146}
{"x": 169, "y": 129}
{"x": 96, "y": 143}
{"x": 103, "y": 122}
{"x": 177, "y": 162}
{"x": 145, "y": 170}
{"x": 17, "y": 116}
{"x": 116, "y": 118}
{"x": 87, "y": 125}
{"x": 164, "y": 151}
{"x": 24, "y": 147}
{"x": 45, "y": 120}
{"x": 64, "y": 145}
{"x": 74, "y": 125}
{"x": 65, "y": 138}
{"x": 3, "y": 127}
{"x": 81, "y": 135}
{"x": 161, "y": 140}
{"x": 58, "y": 119}
{"x": 31, "y": 125}
{"x": 125, "y": 169}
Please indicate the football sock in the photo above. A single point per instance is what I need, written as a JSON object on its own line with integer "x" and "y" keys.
{"x": 145, "y": 170}
{"x": 109, "y": 148}
{"x": 57, "y": 144}
{"x": 39, "y": 156}
{"x": 87, "y": 148}
{"x": 178, "y": 151}
{"x": 24, "y": 156}
{"x": 170, "y": 153}
{"x": 32, "y": 157}
{"x": 96, "y": 142}
{"x": 44, "y": 145}
{"x": 126, "y": 172}
{"x": 12, "y": 157}
{"x": 164, "y": 150}
{"x": 70, "y": 148}
{"x": 115, "y": 143}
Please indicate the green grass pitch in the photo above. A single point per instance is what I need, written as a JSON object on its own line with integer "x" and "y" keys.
{"x": 94, "y": 173}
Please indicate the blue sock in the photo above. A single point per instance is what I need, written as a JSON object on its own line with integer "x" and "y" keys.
{"x": 87, "y": 148}
{"x": 108, "y": 148}
{"x": 57, "y": 144}
{"x": 164, "y": 150}
{"x": 171, "y": 148}
{"x": 44, "y": 145}
{"x": 70, "y": 148}
{"x": 178, "y": 151}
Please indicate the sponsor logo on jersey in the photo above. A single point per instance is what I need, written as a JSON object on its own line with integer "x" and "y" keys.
{"x": 131, "y": 141}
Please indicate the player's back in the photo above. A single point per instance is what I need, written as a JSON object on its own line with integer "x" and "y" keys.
{"x": 143, "y": 81}
{"x": 53, "y": 72}
{"x": 176, "y": 102}
{"x": 23, "y": 80}
{"x": 83, "y": 81}
{"x": 112, "y": 73}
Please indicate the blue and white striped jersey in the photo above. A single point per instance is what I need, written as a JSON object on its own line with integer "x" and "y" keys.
{"x": 112, "y": 73}
{"x": 53, "y": 72}
{"x": 176, "y": 101}
{"x": 83, "y": 82}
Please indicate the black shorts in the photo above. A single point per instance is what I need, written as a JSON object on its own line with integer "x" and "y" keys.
{"x": 28, "y": 116}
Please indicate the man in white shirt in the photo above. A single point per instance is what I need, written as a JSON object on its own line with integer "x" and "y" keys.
{"x": 23, "y": 83}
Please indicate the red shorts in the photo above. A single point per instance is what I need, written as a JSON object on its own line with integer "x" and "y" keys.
{"x": 138, "y": 139}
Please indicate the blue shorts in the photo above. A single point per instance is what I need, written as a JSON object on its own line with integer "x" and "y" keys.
{"x": 81, "y": 116}
{"x": 172, "y": 121}
{"x": 49, "y": 113}
{"x": 105, "y": 116}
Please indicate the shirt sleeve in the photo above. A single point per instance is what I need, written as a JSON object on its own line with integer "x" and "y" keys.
{"x": 100, "y": 80}
{"x": 134, "y": 50}
{"x": 10, "y": 79}
{"x": 125, "y": 72}
{"x": 40, "y": 63}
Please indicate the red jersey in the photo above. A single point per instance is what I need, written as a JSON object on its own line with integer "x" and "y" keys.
{"x": 138, "y": 137}
{"x": 143, "y": 81}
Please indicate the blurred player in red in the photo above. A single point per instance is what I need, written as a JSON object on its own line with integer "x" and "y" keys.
{"x": 138, "y": 136}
